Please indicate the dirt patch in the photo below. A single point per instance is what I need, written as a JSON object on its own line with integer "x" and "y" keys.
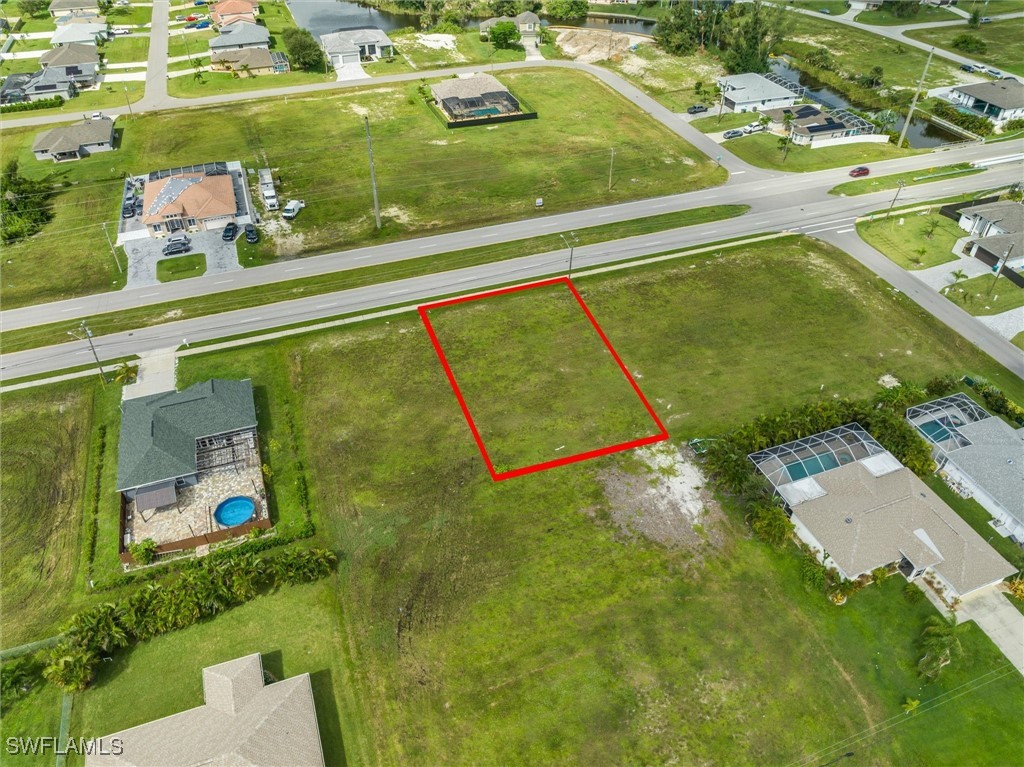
{"x": 399, "y": 214}
{"x": 590, "y": 46}
{"x": 667, "y": 502}
{"x": 437, "y": 42}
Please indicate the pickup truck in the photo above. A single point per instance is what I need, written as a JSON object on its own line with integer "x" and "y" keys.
{"x": 291, "y": 210}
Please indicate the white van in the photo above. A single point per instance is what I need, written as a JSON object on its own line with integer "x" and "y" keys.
{"x": 291, "y": 210}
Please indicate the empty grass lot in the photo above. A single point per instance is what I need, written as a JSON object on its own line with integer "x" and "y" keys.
{"x": 33, "y": 716}
{"x": 430, "y": 179}
{"x": 1004, "y": 39}
{"x": 194, "y": 44}
{"x": 414, "y": 54}
{"x": 101, "y": 324}
{"x": 165, "y": 675}
{"x": 41, "y": 23}
{"x": 122, "y": 50}
{"x": 857, "y": 51}
{"x": 985, "y": 295}
{"x": 908, "y": 245}
{"x": 136, "y": 15}
{"x": 762, "y": 149}
{"x": 509, "y": 622}
{"x": 567, "y": 395}
{"x": 667, "y": 78}
{"x": 181, "y": 267}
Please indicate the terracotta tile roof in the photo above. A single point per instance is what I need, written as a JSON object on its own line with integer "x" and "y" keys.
{"x": 192, "y": 195}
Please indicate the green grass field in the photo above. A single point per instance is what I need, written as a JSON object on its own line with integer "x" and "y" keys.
{"x": 181, "y": 267}
{"x": 33, "y": 716}
{"x": 986, "y": 295}
{"x": 884, "y": 17}
{"x": 188, "y": 87}
{"x": 667, "y": 78}
{"x": 568, "y": 396}
{"x": 729, "y": 120}
{"x": 908, "y": 245}
{"x": 414, "y": 54}
{"x": 137, "y": 15}
{"x": 1018, "y": 340}
{"x": 249, "y": 255}
{"x": 857, "y": 51}
{"x": 114, "y": 95}
{"x": 1005, "y": 43}
{"x": 122, "y": 50}
{"x": 41, "y": 23}
{"x": 18, "y": 66}
{"x": 511, "y": 622}
{"x": 881, "y": 183}
{"x": 193, "y": 44}
{"x": 763, "y": 150}
{"x": 22, "y": 45}
{"x": 430, "y": 179}
{"x": 164, "y": 675}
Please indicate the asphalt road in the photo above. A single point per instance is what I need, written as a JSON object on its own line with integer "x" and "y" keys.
{"x": 801, "y": 210}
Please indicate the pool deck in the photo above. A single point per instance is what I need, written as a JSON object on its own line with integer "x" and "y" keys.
{"x": 193, "y": 514}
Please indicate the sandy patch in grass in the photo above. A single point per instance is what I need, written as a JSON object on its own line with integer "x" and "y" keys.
{"x": 437, "y": 42}
{"x": 399, "y": 214}
{"x": 668, "y": 501}
{"x": 590, "y": 46}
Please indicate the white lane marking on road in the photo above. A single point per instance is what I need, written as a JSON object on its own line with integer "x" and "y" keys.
{"x": 738, "y": 172}
{"x": 424, "y": 247}
{"x": 465, "y": 279}
{"x": 325, "y": 306}
{"x": 655, "y": 242}
{"x": 396, "y": 292}
{"x": 826, "y": 223}
{"x": 149, "y": 295}
{"x": 844, "y": 231}
{"x": 826, "y": 229}
{"x": 223, "y": 282}
{"x": 360, "y": 258}
{"x": 295, "y": 269}
{"x": 758, "y": 223}
{"x": 70, "y": 309}
{"x": 711, "y": 232}
{"x": 255, "y": 319}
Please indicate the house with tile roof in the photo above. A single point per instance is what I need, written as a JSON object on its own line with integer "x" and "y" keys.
{"x": 243, "y": 721}
{"x": 193, "y": 201}
{"x": 230, "y": 11}
{"x": 73, "y": 142}
{"x": 858, "y": 508}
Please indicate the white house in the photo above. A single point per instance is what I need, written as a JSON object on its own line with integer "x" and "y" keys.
{"x": 850, "y": 497}
{"x": 350, "y": 46}
{"x": 998, "y": 100}
{"x": 997, "y": 231}
{"x": 981, "y": 453}
{"x": 754, "y": 93}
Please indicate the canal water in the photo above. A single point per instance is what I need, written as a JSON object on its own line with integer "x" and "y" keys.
{"x": 922, "y": 134}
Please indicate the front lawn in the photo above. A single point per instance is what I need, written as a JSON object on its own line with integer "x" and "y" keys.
{"x": 191, "y": 44}
{"x": 908, "y": 244}
{"x": 1004, "y": 39}
{"x": 134, "y": 15}
{"x": 23, "y": 45}
{"x": 927, "y": 176}
{"x": 213, "y": 83}
{"x": 985, "y": 295}
{"x": 124, "y": 50}
{"x": 729, "y": 120}
{"x": 17, "y": 66}
{"x": 928, "y": 14}
{"x": 34, "y": 715}
{"x": 763, "y": 150}
{"x": 181, "y": 267}
{"x": 164, "y": 676}
{"x": 41, "y": 23}
{"x": 515, "y": 622}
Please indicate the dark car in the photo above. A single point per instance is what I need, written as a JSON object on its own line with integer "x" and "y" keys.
{"x": 859, "y": 172}
{"x": 192, "y": 25}
{"x": 251, "y": 235}
{"x": 696, "y": 109}
{"x": 229, "y": 232}
{"x": 139, "y": 206}
{"x": 967, "y": 67}
{"x": 734, "y": 133}
{"x": 128, "y": 210}
{"x": 175, "y": 247}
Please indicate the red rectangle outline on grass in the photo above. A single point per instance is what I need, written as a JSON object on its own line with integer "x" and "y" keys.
{"x": 499, "y": 476}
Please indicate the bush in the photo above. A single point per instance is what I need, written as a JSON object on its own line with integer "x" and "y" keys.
{"x": 969, "y": 43}
{"x": 913, "y": 594}
{"x": 446, "y": 28}
{"x": 18, "y": 678}
{"x": 940, "y": 386}
{"x": 31, "y": 106}
{"x": 977, "y": 124}
{"x": 143, "y": 552}
{"x": 1013, "y": 125}
{"x": 770, "y": 523}
{"x": 813, "y": 573}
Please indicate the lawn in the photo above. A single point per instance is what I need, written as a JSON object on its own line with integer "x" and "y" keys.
{"x": 1018, "y": 340}
{"x": 834, "y": 7}
{"x": 1005, "y": 43}
{"x": 164, "y": 675}
{"x": 135, "y": 15}
{"x": 188, "y": 87}
{"x": 249, "y": 255}
{"x": 928, "y": 14}
{"x": 908, "y": 244}
{"x": 430, "y": 179}
{"x": 711, "y": 123}
{"x": 667, "y": 78}
{"x": 112, "y": 96}
{"x": 192, "y": 44}
{"x": 35, "y": 715}
{"x": 857, "y": 51}
{"x": 512, "y": 622}
{"x": 16, "y": 66}
{"x": 880, "y": 183}
{"x": 762, "y": 149}
{"x": 24, "y": 45}
{"x": 122, "y": 50}
{"x": 41, "y": 23}
{"x": 568, "y": 396}
{"x": 985, "y": 295}
{"x": 414, "y": 54}
{"x": 181, "y": 267}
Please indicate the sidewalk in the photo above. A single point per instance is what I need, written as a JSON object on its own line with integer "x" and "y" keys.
{"x": 156, "y": 374}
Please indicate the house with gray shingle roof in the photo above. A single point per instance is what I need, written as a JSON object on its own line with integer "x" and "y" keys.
{"x": 44, "y": 84}
{"x": 996, "y": 230}
{"x": 527, "y": 22}
{"x": 347, "y": 46}
{"x": 243, "y": 721}
{"x": 980, "y": 453}
{"x": 241, "y": 35}
{"x": 78, "y": 61}
{"x": 471, "y": 98}
{"x": 73, "y": 142}
{"x": 850, "y": 497}
{"x": 63, "y": 7}
{"x": 167, "y": 440}
{"x": 998, "y": 100}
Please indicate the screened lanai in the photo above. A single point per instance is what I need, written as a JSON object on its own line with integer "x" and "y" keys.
{"x": 802, "y": 458}
{"x": 938, "y": 420}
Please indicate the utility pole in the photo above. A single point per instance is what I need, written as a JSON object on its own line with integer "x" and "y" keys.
{"x": 899, "y": 188}
{"x": 128, "y": 101}
{"x": 611, "y": 164}
{"x": 570, "y": 246}
{"x": 112, "y": 252}
{"x": 913, "y": 102}
{"x": 83, "y": 328}
{"x": 373, "y": 172}
{"x": 184, "y": 39}
{"x": 998, "y": 268}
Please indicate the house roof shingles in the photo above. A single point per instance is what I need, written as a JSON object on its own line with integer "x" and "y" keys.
{"x": 71, "y": 5}
{"x": 753, "y": 87}
{"x": 254, "y": 58}
{"x": 1008, "y": 214}
{"x": 243, "y": 722}
{"x": 241, "y": 34}
{"x": 1007, "y": 93}
{"x": 72, "y": 137}
{"x": 49, "y": 81}
{"x": 70, "y": 55}
{"x": 866, "y": 521}
{"x": 526, "y": 17}
{"x": 78, "y": 33}
{"x": 467, "y": 87}
{"x": 159, "y": 432}
{"x": 348, "y": 40}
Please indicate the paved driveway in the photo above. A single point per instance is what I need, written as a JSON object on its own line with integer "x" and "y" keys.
{"x": 1000, "y": 620}
{"x": 143, "y": 256}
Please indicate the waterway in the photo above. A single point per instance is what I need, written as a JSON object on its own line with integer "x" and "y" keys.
{"x": 922, "y": 134}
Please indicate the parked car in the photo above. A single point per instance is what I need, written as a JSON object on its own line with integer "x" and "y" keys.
{"x": 994, "y": 72}
{"x": 826, "y": 11}
{"x": 696, "y": 109}
{"x": 192, "y": 25}
{"x": 291, "y": 210}
{"x": 986, "y": 19}
{"x": 753, "y": 128}
{"x": 179, "y": 238}
{"x": 96, "y": 116}
{"x": 204, "y": 25}
{"x": 179, "y": 18}
{"x": 128, "y": 211}
{"x": 859, "y": 171}
{"x": 191, "y": 17}
{"x": 734, "y": 133}
{"x": 139, "y": 206}
{"x": 174, "y": 247}
{"x": 967, "y": 67}
{"x": 229, "y": 232}
{"x": 199, "y": 2}
{"x": 251, "y": 235}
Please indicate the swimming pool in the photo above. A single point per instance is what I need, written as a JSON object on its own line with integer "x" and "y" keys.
{"x": 938, "y": 430}
{"x": 807, "y": 467}
{"x": 235, "y": 511}
{"x": 485, "y": 111}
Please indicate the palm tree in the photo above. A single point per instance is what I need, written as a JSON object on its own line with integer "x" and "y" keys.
{"x": 787, "y": 125}
{"x": 125, "y": 373}
{"x": 70, "y": 666}
{"x": 940, "y": 641}
{"x": 100, "y": 628}
{"x": 919, "y": 254}
{"x": 958, "y": 275}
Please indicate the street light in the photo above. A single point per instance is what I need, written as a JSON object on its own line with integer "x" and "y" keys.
{"x": 847, "y": 755}
{"x": 570, "y": 246}
{"x": 899, "y": 188}
{"x": 83, "y": 328}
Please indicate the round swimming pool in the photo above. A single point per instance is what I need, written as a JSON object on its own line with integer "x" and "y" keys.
{"x": 234, "y": 511}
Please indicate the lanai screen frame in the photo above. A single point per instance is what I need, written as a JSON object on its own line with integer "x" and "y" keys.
{"x": 958, "y": 404}
{"x": 852, "y": 433}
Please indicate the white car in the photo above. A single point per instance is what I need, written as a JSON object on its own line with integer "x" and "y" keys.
{"x": 753, "y": 128}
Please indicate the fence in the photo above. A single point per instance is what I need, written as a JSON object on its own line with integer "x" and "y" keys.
{"x": 491, "y": 119}
{"x": 952, "y": 210}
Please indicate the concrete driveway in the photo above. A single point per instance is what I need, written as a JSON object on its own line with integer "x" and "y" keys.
{"x": 143, "y": 256}
{"x": 1000, "y": 620}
